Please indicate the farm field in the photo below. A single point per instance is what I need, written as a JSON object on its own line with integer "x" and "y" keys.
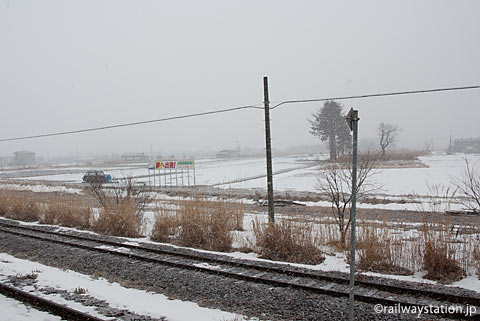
{"x": 413, "y": 186}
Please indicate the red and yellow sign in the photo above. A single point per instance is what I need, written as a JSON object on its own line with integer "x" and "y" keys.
{"x": 183, "y": 164}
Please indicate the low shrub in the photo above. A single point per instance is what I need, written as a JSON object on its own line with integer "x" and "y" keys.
{"x": 287, "y": 241}
{"x": 119, "y": 219}
{"x": 122, "y": 208}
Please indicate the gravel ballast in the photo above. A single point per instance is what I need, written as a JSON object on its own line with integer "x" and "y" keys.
{"x": 255, "y": 300}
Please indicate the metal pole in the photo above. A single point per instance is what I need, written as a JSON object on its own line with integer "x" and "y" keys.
{"x": 354, "y": 122}
{"x": 271, "y": 213}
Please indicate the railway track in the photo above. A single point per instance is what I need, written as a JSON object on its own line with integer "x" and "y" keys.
{"x": 45, "y": 305}
{"x": 368, "y": 291}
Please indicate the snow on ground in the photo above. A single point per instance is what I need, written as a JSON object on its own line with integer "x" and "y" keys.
{"x": 410, "y": 185}
{"x": 41, "y": 188}
{"x": 142, "y": 302}
{"x": 207, "y": 172}
{"x": 442, "y": 169}
{"x": 13, "y": 310}
{"x": 393, "y": 181}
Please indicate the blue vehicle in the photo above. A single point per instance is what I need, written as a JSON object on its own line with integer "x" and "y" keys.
{"x": 98, "y": 177}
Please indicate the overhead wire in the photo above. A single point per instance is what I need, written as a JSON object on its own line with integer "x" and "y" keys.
{"x": 398, "y": 93}
{"x": 131, "y": 124}
{"x": 236, "y": 109}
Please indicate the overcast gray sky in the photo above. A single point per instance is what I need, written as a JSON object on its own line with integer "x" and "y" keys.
{"x": 68, "y": 65}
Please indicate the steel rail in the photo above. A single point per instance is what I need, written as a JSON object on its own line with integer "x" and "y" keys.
{"x": 326, "y": 290}
{"x": 46, "y": 305}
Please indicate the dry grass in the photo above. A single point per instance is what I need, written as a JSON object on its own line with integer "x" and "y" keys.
{"x": 287, "y": 241}
{"x": 379, "y": 252}
{"x": 199, "y": 223}
{"x": 402, "y": 155}
{"x": 476, "y": 256}
{"x": 328, "y": 235}
{"x": 439, "y": 262}
{"x": 204, "y": 227}
{"x": 17, "y": 206}
{"x": 165, "y": 227}
{"x": 122, "y": 208}
{"x": 439, "y": 256}
{"x": 29, "y": 276}
{"x": 69, "y": 213}
{"x": 80, "y": 290}
{"x": 119, "y": 219}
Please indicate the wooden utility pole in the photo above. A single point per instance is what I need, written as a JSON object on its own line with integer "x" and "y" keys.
{"x": 271, "y": 214}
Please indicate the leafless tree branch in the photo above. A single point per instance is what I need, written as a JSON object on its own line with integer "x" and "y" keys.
{"x": 335, "y": 181}
{"x": 468, "y": 184}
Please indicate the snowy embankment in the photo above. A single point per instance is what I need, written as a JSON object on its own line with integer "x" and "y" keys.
{"x": 142, "y": 302}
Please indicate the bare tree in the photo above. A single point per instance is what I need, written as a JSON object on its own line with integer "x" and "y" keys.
{"x": 387, "y": 134}
{"x": 125, "y": 192}
{"x": 468, "y": 184}
{"x": 335, "y": 181}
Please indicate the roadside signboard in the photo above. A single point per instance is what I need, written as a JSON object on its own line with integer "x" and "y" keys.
{"x": 180, "y": 164}
{"x": 172, "y": 172}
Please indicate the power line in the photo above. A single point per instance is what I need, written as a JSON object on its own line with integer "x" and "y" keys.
{"x": 375, "y": 95}
{"x": 235, "y": 109}
{"x": 130, "y": 124}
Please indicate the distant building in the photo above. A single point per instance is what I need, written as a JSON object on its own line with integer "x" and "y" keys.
{"x": 467, "y": 145}
{"x": 23, "y": 158}
{"x": 227, "y": 153}
{"x": 134, "y": 157}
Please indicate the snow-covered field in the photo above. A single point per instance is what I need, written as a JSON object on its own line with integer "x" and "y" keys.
{"x": 394, "y": 181}
{"x": 292, "y": 173}
{"x": 441, "y": 170}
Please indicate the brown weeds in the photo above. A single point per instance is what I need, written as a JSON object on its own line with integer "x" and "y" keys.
{"x": 205, "y": 225}
{"x": 287, "y": 241}
{"x": 477, "y": 260}
{"x": 69, "y": 213}
{"x": 439, "y": 259}
{"x": 18, "y": 206}
{"x": 119, "y": 219}
{"x": 165, "y": 226}
{"x": 122, "y": 208}
{"x": 199, "y": 223}
{"x": 379, "y": 252}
